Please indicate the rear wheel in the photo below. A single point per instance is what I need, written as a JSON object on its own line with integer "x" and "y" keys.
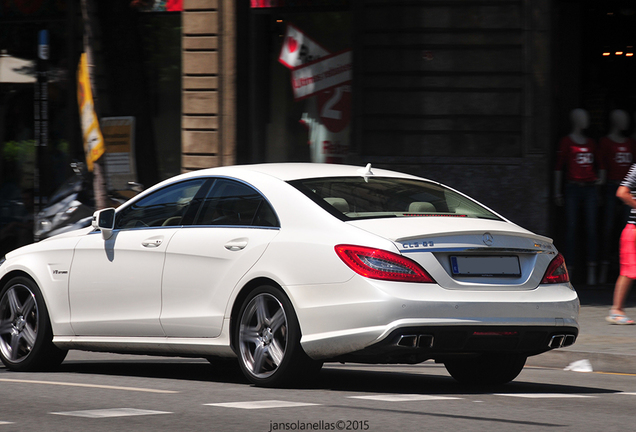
{"x": 267, "y": 338}
{"x": 488, "y": 369}
{"x": 25, "y": 330}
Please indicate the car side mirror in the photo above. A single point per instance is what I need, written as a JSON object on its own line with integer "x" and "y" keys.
{"x": 104, "y": 220}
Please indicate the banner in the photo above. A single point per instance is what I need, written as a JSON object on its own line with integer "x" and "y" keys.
{"x": 323, "y": 82}
{"x": 92, "y": 136}
{"x": 323, "y": 74}
{"x": 299, "y": 49}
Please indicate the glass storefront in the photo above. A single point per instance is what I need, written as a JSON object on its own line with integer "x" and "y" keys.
{"x": 20, "y": 23}
{"x": 593, "y": 71}
{"x": 300, "y": 82}
{"x": 161, "y": 42}
{"x": 146, "y": 89}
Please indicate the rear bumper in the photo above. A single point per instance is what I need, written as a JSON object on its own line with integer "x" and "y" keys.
{"x": 419, "y": 343}
{"x": 362, "y": 318}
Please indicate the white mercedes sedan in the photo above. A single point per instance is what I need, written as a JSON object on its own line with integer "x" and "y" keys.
{"x": 288, "y": 266}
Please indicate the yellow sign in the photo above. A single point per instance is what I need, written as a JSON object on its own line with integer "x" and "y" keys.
{"x": 93, "y": 139}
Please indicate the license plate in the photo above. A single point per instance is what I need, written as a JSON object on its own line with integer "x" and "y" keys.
{"x": 485, "y": 265}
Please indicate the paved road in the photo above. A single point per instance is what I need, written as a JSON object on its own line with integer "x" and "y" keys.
{"x": 103, "y": 392}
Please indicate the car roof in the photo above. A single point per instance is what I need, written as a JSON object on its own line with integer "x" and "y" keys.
{"x": 295, "y": 171}
{"x": 285, "y": 172}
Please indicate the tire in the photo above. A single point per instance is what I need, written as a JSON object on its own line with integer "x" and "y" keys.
{"x": 267, "y": 340}
{"x": 25, "y": 329}
{"x": 488, "y": 369}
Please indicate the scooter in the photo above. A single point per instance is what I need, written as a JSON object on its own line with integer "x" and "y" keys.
{"x": 71, "y": 207}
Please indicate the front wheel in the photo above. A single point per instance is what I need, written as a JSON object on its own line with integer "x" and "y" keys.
{"x": 488, "y": 369}
{"x": 267, "y": 338}
{"x": 25, "y": 330}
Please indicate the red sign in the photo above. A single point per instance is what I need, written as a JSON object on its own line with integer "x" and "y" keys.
{"x": 174, "y": 5}
{"x": 334, "y": 106}
{"x": 266, "y": 3}
{"x": 299, "y": 49}
{"x": 325, "y": 73}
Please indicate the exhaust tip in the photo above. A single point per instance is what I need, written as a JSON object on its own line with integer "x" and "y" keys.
{"x": 556, "y": 341}
{"x": 425, "y": 341}
{"x": 416, "y": 341}
{"x": 569, "y": 340}
{"x": 409, "y": 341}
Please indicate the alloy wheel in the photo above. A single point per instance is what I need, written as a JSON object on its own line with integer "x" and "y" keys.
{"x": 263, "y": 335}
{"x": 18, "y": 323}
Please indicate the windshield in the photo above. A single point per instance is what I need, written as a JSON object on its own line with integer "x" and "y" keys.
{"x": 367, "y": 197}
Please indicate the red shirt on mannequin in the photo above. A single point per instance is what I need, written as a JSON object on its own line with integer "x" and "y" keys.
{"x": 578, "y": 158}
{"x": 616, "y": 157}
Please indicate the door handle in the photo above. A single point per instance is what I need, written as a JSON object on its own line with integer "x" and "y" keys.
{"x": 236, "y": 245}
{"x": 152, "y": 243}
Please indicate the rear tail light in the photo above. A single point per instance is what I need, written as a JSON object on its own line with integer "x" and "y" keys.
{"x": 557, "y": 271}
{"x": 381, "y": 264}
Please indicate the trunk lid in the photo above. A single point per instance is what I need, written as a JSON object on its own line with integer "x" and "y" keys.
{"x": 468, "y": 253}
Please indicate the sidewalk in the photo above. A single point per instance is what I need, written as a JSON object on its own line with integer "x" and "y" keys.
{"x": 609, "y": 348}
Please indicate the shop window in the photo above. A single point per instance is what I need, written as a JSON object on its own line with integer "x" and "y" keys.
{"x": 161, "y": 42}
{"x": 19, "y": 198}
{"x": 300, "y": 75}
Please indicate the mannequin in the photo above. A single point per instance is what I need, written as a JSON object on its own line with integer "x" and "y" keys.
{"x": 616, "y": 156}
{"x": 576, "y": 164}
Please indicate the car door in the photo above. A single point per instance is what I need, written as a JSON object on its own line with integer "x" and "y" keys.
{"x": 205, "y": 261}
{"x": 115, "y": 284}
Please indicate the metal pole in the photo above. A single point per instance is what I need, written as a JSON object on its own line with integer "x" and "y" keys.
{"x": 41, "y": 113}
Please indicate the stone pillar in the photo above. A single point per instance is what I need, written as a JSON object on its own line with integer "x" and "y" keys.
{"x": 208, "y": 137}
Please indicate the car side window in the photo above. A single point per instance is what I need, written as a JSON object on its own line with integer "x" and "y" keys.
{"x": 232, "y": 203}
{"x": 165, "y": 207}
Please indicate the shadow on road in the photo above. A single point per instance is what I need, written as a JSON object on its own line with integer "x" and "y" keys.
{"x": 420, "y": 383}
{"x": 226, "y": 371}
{"x": 427, "y": 379}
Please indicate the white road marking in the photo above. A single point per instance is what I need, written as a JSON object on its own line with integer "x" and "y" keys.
{"x": 261, "y": 404}
{"x": 5, "y": 423}
{"x": 403, "y": 397}
{"x": 114, "y": 412}
{"x": 99, "y": 386}
{"x": 543, "y": 395}
{"x": 627, "y": 393}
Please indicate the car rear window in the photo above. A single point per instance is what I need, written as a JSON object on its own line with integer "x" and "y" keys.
{"x": 371, "y": 197}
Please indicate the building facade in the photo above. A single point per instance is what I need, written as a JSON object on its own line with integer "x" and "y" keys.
{"x": 475, "y": 94}
{"x": 455, "y": 91}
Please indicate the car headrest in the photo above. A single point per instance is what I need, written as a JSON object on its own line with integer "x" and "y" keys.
{"x": 421, "y": 207}
{"x": 340, "y": 204}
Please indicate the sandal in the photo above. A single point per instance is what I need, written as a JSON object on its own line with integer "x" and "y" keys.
{"x": 619, "y": 319}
